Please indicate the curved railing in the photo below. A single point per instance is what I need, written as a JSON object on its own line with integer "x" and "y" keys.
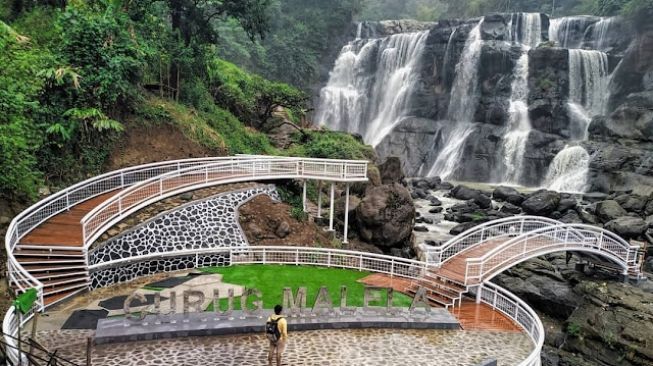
{"x": 563, "y": 237}
{"x": 26, "y": 221}
{"x": 10, "y": 328}
{"x": 337, "y": 258}
{"x": 496, "y": 229}
{"x": 159, "y": 187}
{"x": 517, "y": 310}
{"x": 493, "y": 295}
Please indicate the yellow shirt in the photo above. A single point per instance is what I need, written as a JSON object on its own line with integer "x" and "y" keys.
{"x": 281, "y": 324}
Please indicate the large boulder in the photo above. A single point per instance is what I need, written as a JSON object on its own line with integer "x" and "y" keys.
{"x": 391, "y": 171}
{"x": 541, "y": 203}
{"x": 631, "y": 202}
{"x": 648, "y": 210}
{"x": 609, "y": 210}
{"x": 628, "y": 226}
{"x": 385, "y": 216}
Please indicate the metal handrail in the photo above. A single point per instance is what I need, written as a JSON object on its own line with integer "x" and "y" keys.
{"x": 513, "y": 307}
{"x": 129, "y": 200}
{"x": 571, "y": 236}
{"x": 482, "y": 233}
{"x": 60, "y": 201}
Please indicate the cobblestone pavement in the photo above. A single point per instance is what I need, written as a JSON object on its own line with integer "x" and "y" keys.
{"x": 325, "y": 347}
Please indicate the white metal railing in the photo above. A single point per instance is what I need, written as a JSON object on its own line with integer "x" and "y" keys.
{"x": 513, "y": 307}
{"x": 496, "y": 229}
{"x": 26, "y": 221}
{"x": 562, "y": 237}
{"x": 335, "y": 258}
{"x": 12, "y": 324}
{"x": 156, "y": 188}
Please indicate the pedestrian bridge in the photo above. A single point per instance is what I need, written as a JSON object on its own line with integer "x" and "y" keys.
{"x": 48, "y": 244}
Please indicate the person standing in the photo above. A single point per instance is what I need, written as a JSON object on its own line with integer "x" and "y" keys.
{"x": 276, "y": 330}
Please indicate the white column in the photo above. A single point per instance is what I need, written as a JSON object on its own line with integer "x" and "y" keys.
{"x": 304, "y": 197}
{"x": 333, "y": 188}
{"x": 478, "y": 293}
{"x": 319, "y": 199}
{"x": 346, "y": 214}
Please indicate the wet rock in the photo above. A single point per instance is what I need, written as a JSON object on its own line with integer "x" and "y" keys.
{"x": 435, "y": 201}
{"x": 631, "y": 202}
{"x": 510, "y": 208}
{"x": 627, "y": 226}
{"x": 648, "y": 210}
{"x": 465, "y": 193}
{"x": 420, "y": 228}
{"x": 502, "y": 193}
{"x": 566, "y": 204}
{"x": 458, "y": 229}
{"x": 609, "y": 210}
{"x": 483, "y": 201}
{"x": 186, "y": 197}
{"x": 439, "y": 209}
{"x": 587, "y": 216}
{"x": 649, "y": 221}
{"x": 419, "y": 193}
{"x": 541, "y": 203}
{"x": 571, "y": 217}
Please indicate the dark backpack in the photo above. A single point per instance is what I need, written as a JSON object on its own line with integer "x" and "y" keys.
{"x": 272, "y": 329}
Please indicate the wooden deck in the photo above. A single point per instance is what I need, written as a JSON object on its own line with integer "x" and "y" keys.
{"x": 471, "y": 316}
{"x": 65, "y": 228}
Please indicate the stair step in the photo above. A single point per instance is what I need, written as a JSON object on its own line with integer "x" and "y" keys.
{"x": 39, "y": 267}
{"x": 440, "y": 300}
{"x": 43, "y": 276}
{"x": 436, "y": 287}
{"x": 64, "y": 281}
{"x": 64, "y": 289}
{"x": 47, "y": 253}
{"x": 454, "y": 285}
{"x": 37, "y": 260}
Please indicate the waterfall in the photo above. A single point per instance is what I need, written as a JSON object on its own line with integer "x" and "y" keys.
{"x": 588, "y": 89}
{"x": 359, "y": 30}
{"x": 371, "y": 103}
{"x": 569, "y": 32}
{"x": 600, "y": 33}
{"x": 514, "y": 142}
{"x": 462, "y": 106}
{"x": 526, "y": 28}
{"x": 447, "y": 56}
{"x": 568, "y": 171}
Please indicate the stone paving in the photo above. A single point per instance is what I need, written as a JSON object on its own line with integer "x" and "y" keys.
{"x": 324, "y": 347}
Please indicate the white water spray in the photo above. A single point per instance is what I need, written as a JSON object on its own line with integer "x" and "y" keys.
{"x": 569, "y": 170}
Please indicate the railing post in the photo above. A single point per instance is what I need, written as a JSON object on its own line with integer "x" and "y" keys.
{"x": 360, "y": 262}
{"x": 160, "y": 187}
{"x": 479, "y": 293}
{"x": 600, "y": 241}
{"x": 67, "y": 202}
{"x": 521, "y": 226}
{"x": 122, "y": 179}
{"x": 482, "y": 234}
{"x": 328, "y": 259}
{"x": 319, "y": 199}
{"x": 304, "y": 196}
{"x": 264, "y": 256}
{"x": 344, "y": 237}
{"x": 296, "y": 257}
{"x": 331, "y": 206}
{"x": 206, "y": 174}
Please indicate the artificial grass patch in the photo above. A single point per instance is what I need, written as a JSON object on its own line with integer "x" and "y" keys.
{"x": 271, "y": 280}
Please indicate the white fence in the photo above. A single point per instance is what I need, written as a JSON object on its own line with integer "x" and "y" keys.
{"x": 497, "y": 229}
{"x": 325, "y": 257}
{"x": 561, "y": 237}
{"x": 504, "y": 301}
{"x": 159, "y": 187}
{"x": 63, "y": 200}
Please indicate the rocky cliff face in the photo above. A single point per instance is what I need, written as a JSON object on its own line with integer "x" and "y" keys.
{"x": 589, "y": 83}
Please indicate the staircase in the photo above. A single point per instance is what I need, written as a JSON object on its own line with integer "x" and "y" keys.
{"x": 62, "y": 270}
{"x": 440, "y": 291}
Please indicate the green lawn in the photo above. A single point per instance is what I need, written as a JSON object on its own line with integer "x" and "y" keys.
{"x": 271, "y": 279}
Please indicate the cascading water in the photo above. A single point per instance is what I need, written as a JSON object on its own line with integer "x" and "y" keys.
{"x": 514, "y": 142}
{"x": 462, "y": 106}
{"x": 371, "y": 104}
{"x": 600, "y": 33}
{"x": 568, "y": 171}
{"x": 588, "y": 89}
{"x": 586, "y": 32}
{"x": 526, "y": 28}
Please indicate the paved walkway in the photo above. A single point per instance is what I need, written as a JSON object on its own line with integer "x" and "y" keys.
{"x": 325, "y": 347}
